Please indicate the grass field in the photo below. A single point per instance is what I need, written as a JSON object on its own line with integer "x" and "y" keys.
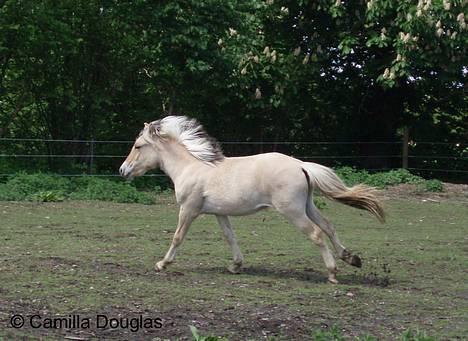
{"x": 88, "y": 258}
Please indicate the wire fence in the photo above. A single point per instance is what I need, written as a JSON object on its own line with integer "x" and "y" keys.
{"x": 103, "y": 157}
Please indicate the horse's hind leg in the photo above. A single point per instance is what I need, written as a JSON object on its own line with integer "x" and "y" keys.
{"x": 327, "y": 255}
{"x": 236, "y": 266}
{"x": 330, "y": 231}
{"x": 299, "y": 218}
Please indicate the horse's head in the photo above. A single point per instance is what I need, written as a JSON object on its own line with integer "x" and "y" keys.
{"x": 144, "y": 154}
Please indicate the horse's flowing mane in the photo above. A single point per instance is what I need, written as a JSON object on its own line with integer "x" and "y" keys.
{"x": 190, "y": 133}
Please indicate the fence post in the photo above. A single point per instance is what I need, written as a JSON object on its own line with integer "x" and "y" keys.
{"x": 91, "y": 157}
{"x": 404, "y": 160}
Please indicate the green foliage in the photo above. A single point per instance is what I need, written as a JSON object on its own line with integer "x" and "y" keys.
{"x": 45, "y": 188}
{"x": 90, "y": 188}
{"x": 197, "y": 337}
{"x": 87, "y": 69}
{"x": 319, "y": 202}
{"x": 29, "y": 186}
{"x": 48, "y": 196}
{"x": 332, "y": 334}
{"x": 433, "y": 185}
{"x": 352, "y": 176}
{"x": 392, "y": 178}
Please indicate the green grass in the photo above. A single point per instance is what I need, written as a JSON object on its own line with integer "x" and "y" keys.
{"x": 96, "y": 257}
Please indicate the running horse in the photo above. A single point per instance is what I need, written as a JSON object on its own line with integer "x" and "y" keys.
{"x": 206, "y": 181}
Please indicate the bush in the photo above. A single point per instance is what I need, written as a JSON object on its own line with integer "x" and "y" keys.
{"x": 433, "y": 185}
{"x": 46, "y": 188}
{"x": 392, "y": 178}
{"x": 101, "y": 189}
{"x": 25, "y": 186}
{"x": 48, "y": 196}
{"x": 352, "y": 176}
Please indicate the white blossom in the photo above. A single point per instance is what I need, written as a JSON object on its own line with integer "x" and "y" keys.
{"x": 297, "y": 51}
{"x": 447, "y": 5}
{"x": 386, "y": 73}
{"x": 306, "y": 59}
{"x": 258, "y": 93}
{"x": 427, "y": 5}
{"x": 405, "y": 37}
{"x": 439, "y": 32}
{"x": 232, "y": 32}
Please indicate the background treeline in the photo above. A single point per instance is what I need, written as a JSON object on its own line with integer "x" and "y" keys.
{"x": 250, "y": 70}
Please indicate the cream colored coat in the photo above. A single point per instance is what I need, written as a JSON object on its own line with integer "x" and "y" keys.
{"x": 207, "y": 182}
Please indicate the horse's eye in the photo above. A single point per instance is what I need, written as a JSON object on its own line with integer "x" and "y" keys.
{"x": 137, "y": 147}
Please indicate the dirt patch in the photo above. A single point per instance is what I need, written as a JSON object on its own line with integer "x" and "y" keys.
{"x": 451, "y": 191}
{"x": 234, "y": 322}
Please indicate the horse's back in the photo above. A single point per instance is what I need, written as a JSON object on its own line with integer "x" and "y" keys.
{"x": 243, "y": 185}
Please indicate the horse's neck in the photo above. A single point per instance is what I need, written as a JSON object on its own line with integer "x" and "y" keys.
{"x": 175, "y": 159}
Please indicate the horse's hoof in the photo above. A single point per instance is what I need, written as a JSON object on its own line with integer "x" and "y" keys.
{"x": 332, "y": 280}
{"x": 235, "y": 268}
{"x": 159, "y": 266}
{"x": 356, "y": 261}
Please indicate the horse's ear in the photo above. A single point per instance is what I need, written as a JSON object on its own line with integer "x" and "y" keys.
{"x": 154, "y": 129}
{"x": 146, "y": 125}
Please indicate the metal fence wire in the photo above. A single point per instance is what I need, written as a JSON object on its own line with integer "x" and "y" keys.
{"x": 103, "y": 157}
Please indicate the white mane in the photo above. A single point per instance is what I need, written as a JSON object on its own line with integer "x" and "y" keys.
{"x": 190, "y": 133}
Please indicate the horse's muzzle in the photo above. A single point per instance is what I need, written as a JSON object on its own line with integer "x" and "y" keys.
{"x": 125, "y": 170}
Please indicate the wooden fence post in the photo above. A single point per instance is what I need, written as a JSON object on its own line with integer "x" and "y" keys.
{"x": 91, "y": 158}
{"x": 405, "y": 141}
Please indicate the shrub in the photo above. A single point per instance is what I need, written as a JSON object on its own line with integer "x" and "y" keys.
{"x": 25, "y": 186}
{"x": 433, "y": 185}
{"x": 48, "y": 196}
{"x": 89, "y": 188}
{"x": 45, "y": 188}
{"x": 351, "y": 176}
{"x": 319, "y": 202}
{"x": 32, "y": 183}
{"x": 392, "y": 178}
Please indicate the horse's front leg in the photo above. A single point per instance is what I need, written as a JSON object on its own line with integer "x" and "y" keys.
{"x": 186, "y": 216}
{"x": 236, "y": 266}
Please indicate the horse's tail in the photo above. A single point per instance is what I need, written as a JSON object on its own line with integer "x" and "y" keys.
{"x": 359, "y": 196}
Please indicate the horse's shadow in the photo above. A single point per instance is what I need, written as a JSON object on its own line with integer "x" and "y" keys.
{"x": 305, "y": 275}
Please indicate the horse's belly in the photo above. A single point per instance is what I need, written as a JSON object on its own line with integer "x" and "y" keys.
{"x": 226, "y": 207}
